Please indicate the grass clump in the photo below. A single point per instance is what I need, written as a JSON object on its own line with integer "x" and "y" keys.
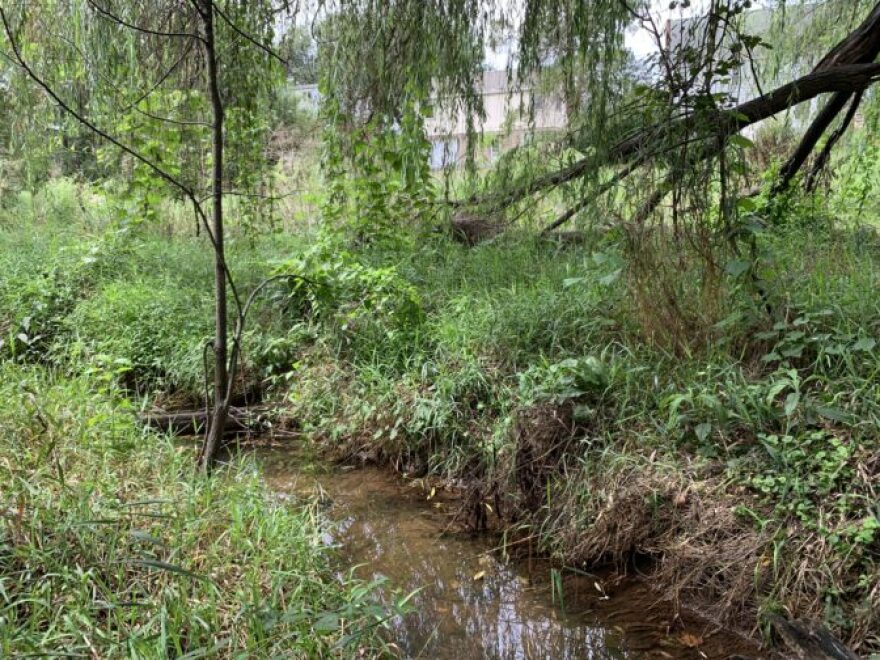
{"x": 111, "y": 546}
{"x": 146, "y": 331}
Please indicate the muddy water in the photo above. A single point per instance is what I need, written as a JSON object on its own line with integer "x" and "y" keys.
{"x": 472, "y": 604}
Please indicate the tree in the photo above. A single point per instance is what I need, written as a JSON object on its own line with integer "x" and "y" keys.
{"x": 215, "y": 55}
{"x": 676, "y": 131}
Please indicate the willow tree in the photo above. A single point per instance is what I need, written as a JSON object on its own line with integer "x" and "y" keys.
{"x": 172, "y": 86}
{"x": 656, "y": 147}
{"x": 672, "y": 125}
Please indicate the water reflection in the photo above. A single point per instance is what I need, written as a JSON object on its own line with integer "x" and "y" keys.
{"x": 472, "y": 605}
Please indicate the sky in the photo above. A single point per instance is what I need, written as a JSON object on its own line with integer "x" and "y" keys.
{"x": 642, "y": 42}
{"x": 638, "y": 40}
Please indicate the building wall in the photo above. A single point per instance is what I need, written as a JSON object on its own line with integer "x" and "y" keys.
{"x": 505, "y": 125}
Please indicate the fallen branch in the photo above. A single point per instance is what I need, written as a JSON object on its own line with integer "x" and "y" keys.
{"x": 659, "y": 139}
{"x": 605, "y": 187}
{"x": 825, "y": 154}
{"x": 240, "y": 421}
{"x": 808, "y": 142}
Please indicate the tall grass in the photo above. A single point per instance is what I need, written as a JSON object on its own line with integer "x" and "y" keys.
{"x": 547, "y": 380}
{"x": 111, "y": 546}
{"x": 539, "y": 377}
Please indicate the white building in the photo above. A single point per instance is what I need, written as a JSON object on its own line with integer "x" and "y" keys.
{"x": 506, "y": 124}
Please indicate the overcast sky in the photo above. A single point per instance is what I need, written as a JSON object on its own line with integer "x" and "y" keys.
{"x": 641, "y": 42}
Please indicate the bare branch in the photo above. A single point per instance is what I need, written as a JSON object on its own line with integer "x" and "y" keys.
{"x": 161, "y": 173}
{"x": 825, "y": 154}
{"x": 171, "y": 120}
{"x": 568, "y": 215}
{"x": 165, "y": 176}
{"x": 808, "y": 142}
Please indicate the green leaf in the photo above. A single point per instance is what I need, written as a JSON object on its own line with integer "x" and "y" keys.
{"x": 165, "y": 566}
{"x": 746, "y": 204}
{"x": 776, "y": 388}
{"x": 834, "y": 414}
{"x": 610, "y": 278}
{"x": 865, "y": 344}
{"x": 741, "y": 141}
{"x": 791, "y": 403}
{"x": 737, "y": 267}
{"x": 793, "y": 351}
{"x": 702, "y": 431}
{"x": 327, "y": 623}
{"x": 140, "y": 535}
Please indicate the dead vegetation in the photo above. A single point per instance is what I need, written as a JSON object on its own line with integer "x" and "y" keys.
{"x": 695, "y": 530}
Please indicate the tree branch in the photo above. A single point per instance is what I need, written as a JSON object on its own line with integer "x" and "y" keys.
{"x": 161, "y": 173}
{"x": 822, "y": 158}
{"x": 568, "y": 215}
{"x": 266, "y": 49}
{"x": 105, "y": 13}
{"x": 84, "y": 120}
{"x": 808, "y": 141}
{"x": 655, "y": 140}
{"x": 161, "y": 79}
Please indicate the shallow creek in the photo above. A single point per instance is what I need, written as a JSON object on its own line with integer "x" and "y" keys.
{"x": 472, "y": 604}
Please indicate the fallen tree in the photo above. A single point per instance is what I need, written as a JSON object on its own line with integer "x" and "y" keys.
{"x": 688, "y": 135}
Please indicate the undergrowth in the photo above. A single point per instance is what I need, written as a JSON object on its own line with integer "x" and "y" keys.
{"x": 111, "y": 545}
{"x": 744, "y": 464}
{"x": 736, "y": 448}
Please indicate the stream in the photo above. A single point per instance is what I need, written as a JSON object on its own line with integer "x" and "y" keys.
{"x": 471, "y": 603}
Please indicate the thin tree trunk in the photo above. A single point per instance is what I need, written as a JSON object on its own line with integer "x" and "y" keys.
{"x": 221, "y": 376}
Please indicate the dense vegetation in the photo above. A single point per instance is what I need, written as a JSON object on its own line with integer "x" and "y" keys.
{"x": 741, "y": 461}
{"x": 110, "y": 544}
{"x": 692, "y": 381}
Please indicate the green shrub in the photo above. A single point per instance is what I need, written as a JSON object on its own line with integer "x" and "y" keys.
{"x": 364, "y": 307}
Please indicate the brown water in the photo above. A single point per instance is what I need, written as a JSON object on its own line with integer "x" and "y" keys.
{"x": 471, "y": 603}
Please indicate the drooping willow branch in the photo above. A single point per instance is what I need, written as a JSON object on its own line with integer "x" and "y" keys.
{"x": 107, "y": 14}
{"x": 163, "y": 174}
{"x": 263, "y": 47}
{"x": 846, "y": 71}
{"x": 660, "y": 138}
